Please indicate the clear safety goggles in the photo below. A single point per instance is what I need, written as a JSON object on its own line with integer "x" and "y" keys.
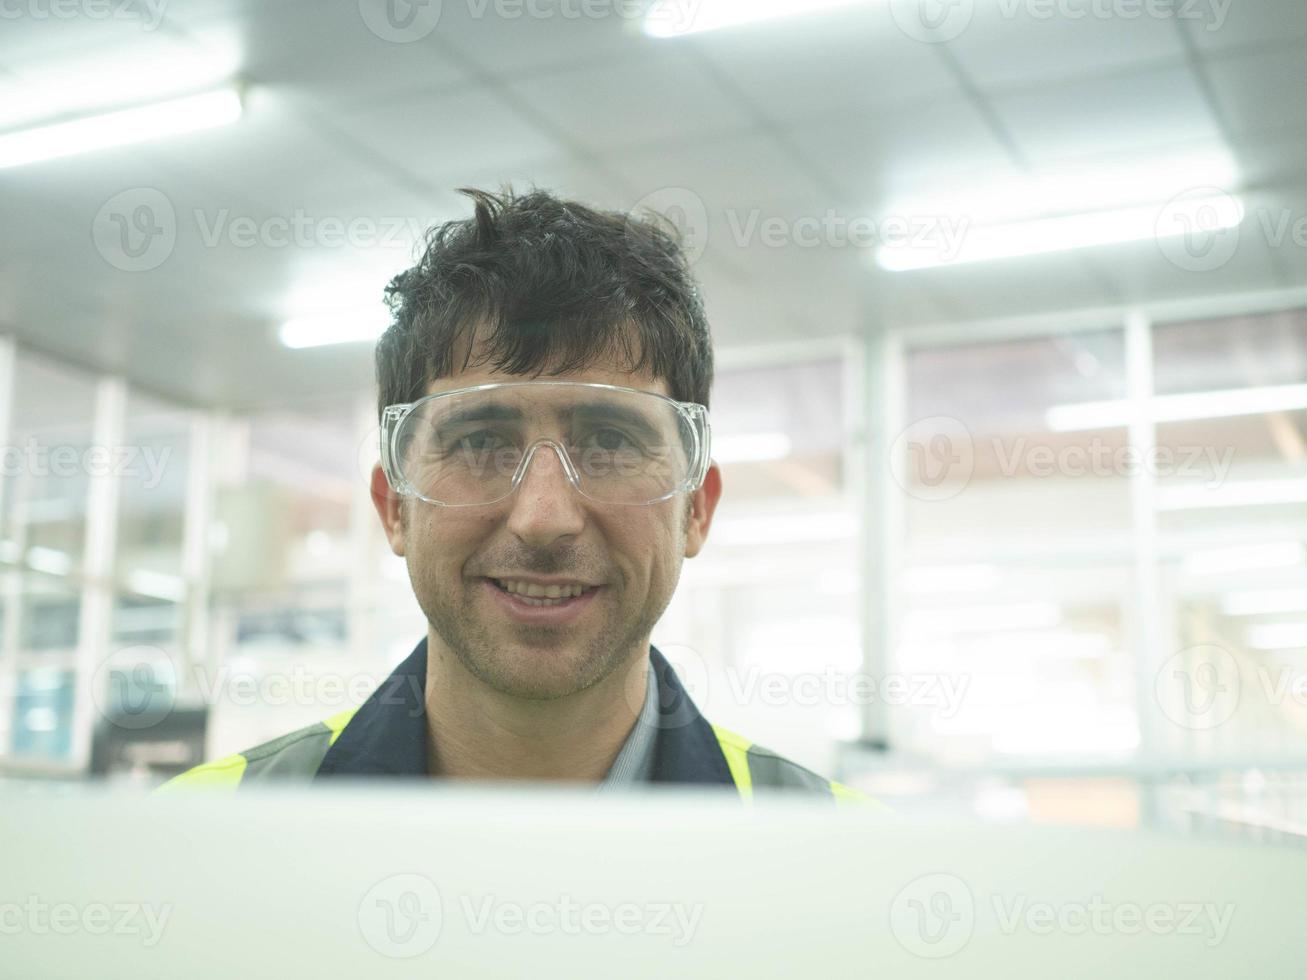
{"x": 473, "y": 446}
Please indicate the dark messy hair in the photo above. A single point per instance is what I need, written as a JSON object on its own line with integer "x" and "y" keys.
{"x": 545, "y": 283}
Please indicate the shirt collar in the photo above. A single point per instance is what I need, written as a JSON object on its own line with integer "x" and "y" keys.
{"x": 388, "y": 734}
{"x": 635, "y": 762}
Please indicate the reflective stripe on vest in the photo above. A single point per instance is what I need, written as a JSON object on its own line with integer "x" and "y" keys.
{"x": 297, "y": 754}
{"x": 753, "y": 767}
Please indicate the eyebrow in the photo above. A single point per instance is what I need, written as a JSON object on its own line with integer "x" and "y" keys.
{"x": 592, "y": 410}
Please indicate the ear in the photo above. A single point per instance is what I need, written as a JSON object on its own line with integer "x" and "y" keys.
{"x": 703, "y": 502}
{"x": 389, "y": 506}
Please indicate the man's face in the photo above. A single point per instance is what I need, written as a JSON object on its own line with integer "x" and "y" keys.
{"x": 546, "y": 529}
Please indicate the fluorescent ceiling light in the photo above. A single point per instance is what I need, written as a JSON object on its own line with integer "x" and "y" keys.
{"x": 1277, "y": 636}
{"x": 1042, "y": 645}
{"x": 1245, "y": 493}
{"x": 785, "y": 529}
{"x": 676, "y": 18}
{"x": 986, "y": 243}
{"x": 750, "y": 448}
{"x": 334, "y": 328}
{"x": 49, "y": 560}
{"x": 157, "y": 585}
{"x": 950, "y": 578}
{"x": 1245, "y": 558}
{"x": 119, "y": 128}
{"x": 988, "y": 619}
{"x": 1179, "y": 408}
{"x": 1262, "y": 602}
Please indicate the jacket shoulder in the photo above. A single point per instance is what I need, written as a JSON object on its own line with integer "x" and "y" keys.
{"x": 294, "y": 756}
{"x": 756, "y": 768}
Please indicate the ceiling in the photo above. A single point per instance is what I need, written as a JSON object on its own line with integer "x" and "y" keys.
{"x": 839, "y": 113}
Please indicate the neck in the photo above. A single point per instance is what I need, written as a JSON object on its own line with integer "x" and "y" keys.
{"x": 477, "y": 732}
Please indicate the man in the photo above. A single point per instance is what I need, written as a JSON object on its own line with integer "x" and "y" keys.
{"x": 545, "y": 469}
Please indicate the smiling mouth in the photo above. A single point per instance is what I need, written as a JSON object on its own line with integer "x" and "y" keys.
{"x": 543, "y": 596}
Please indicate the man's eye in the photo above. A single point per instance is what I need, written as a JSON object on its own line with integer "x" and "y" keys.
{"x": 609, "y": 440}
{"x": 476, "y": 441}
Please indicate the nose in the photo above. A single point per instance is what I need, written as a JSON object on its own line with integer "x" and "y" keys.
{"x": 545, "y": 505}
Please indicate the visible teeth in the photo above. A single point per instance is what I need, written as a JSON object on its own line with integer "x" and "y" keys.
{"x": 531, "y": 590}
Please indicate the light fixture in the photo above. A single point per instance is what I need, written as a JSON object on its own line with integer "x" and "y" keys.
{"x": 756, "y": 447}
{"x": 926, "y": 579}
{"x": 156, "y": 585}
{"x": 676, "y": 18}
{"x": 1245, "y": 558}
{"x": 1278, "y": 636}
{"x": 1261, "y": 602}
{"x": 319, "y": 330}
{"x": 1061, "y": 234}
{"x": 1244, "y": 493}
{"x": 785, "y": 529}
{"x": 120, "y": 128}
{"x": 49, "y": 560}
{"x": 1082, "y": 416}
{"x": 983, "y": 619}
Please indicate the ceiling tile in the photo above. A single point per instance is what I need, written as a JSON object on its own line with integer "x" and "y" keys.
{"x": 1262, "y": 92}
{"x": 502, "y": 37}
{"x": 659, "y": 96}
{"x": 1270, "y": 158}
{"x": 1238, "y": 23}
{"x": 883, "y": 156}
{"x": 737, "y": 170}
{"x": 1054, "y": 47}
{"x": 1106, "y": 115}
{"x": 848, "y": 61}
{"x": 326, "y": 52}
{"x": 472, "y": 129}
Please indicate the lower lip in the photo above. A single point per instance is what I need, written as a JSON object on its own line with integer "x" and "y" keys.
{"x": 524, "y": 612}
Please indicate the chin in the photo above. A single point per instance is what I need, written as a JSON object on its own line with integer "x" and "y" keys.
{"x": 537, "y": 671}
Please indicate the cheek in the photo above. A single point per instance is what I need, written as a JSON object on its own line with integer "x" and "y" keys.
{"x": 650, "y": 549}
{"x": 435, "y": 543}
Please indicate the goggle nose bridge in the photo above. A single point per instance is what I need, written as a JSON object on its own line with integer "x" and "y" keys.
{"x": 560, "y": 451}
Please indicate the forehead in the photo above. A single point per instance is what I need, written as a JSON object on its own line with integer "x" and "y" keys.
{"x": 601, "y": 372}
